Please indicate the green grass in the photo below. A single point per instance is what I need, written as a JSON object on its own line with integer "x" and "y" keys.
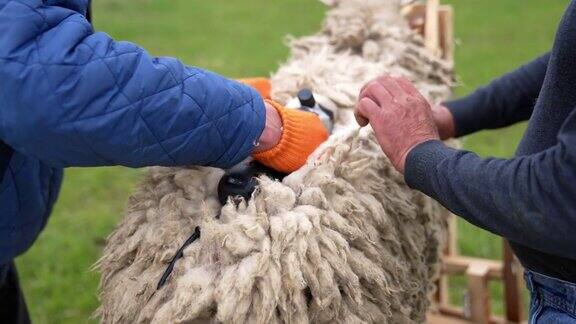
{"x": 244, "y": 38}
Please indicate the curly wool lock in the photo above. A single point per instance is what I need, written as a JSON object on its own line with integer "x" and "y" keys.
{"x": 341, "y": 240}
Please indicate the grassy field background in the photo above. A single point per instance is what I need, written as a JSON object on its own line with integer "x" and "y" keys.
{"x": 244, "y": 38}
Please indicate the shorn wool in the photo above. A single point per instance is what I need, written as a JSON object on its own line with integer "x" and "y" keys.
{"x": 341, "y": 240}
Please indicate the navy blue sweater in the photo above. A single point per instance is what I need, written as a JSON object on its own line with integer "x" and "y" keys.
{"x": 529, "y": 199}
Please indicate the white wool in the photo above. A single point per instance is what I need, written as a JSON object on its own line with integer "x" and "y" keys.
{"x": 343, "y": 239}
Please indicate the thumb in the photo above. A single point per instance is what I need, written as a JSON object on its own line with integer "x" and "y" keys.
{"x": 365, "y": 108}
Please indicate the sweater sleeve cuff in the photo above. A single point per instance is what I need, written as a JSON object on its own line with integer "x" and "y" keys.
{"x": 421, "y": 164}
{"x": 460, "y": 114}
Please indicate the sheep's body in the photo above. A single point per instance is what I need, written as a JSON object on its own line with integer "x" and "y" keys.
{"x": 343, "y": 239}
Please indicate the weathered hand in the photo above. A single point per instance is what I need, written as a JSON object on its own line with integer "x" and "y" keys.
{"x": 399, "y": 114}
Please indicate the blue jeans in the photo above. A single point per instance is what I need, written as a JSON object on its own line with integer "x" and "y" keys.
{"x": 553, "y": 300}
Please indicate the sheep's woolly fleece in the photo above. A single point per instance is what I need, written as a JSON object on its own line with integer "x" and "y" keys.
{"x": 341, "y": 240}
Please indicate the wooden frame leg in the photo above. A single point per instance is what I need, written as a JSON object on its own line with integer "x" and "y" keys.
{"x": 431, "y": 27}
{"x": 447, "y": 37}
{"x": 479, "y": 293}
{"x": 513, "y": 286}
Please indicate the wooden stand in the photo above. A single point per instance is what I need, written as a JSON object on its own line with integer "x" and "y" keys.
{"x": 435, "y": 23}
{"x": 478, "y": 273}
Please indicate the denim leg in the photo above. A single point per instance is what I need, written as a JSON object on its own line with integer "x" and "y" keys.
{"x": 552, "y": 300}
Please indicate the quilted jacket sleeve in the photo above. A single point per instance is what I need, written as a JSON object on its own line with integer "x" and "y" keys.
{"x": 74, "y": 97}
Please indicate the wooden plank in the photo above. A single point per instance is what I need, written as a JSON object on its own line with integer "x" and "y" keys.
{"x": 443, "y": 294}
{"x": 415, "y": 15}
{"x": 479, "y": 292}
{"x": 437, "y": 29}
{"x": 452, "y": 244}
{"x": 457, "y": 264}
{"x": 431, "y": 27}
{"x": 450, "y": 248}
{"x": 442, "y": 319}
{"x": 450, "y": 311}
{"x": 447, "y": 32}
{"x": 513, "y": 286}
{"x": 408, "y": 9}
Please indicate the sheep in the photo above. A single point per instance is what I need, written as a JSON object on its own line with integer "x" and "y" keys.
{"x": 341, "y": 240}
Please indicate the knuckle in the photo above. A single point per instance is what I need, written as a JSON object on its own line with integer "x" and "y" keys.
{"x": 373, "y": 87}
{"x": 367, "y": 88}
{"x": 370, "y": 88}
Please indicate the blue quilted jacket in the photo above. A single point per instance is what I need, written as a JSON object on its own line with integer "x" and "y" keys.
{"x": 70, "y": 96}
